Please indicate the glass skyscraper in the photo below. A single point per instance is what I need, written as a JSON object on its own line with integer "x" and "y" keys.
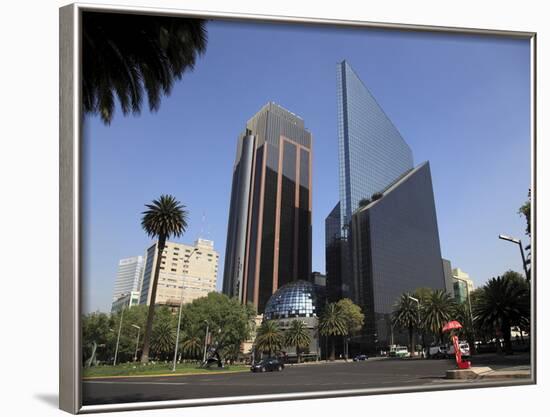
{"x": 381, "y": 238}
{"x": 269, "y": 227}
{"x": 372, "y": 153}
{"x": 395, "y": 249}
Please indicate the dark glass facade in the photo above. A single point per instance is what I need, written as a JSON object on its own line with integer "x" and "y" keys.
{"x": 395, "y": 247}
{"x": 147, "y": 275}
{"x": 448, "y": 273}
{"x": 275, "y": 248}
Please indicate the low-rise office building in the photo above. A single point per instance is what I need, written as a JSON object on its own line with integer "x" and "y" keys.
{"x": 125, "y": 301}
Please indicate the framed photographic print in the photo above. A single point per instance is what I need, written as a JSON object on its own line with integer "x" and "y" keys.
{"x": 259, "y": 208}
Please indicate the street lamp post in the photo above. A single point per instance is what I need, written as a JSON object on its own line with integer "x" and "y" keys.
{"x": 417, "y": 314}
{"x": 118, "y": 336}
{"x": 137, "y": 341}
{"x": 179, "y": 319}
{"x": 523, "y": 260}
{"x": 472, "y": 348}
{"x": 205, "y": 342}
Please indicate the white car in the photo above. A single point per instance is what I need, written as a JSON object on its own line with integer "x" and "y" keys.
{"x": 438, "y": 352}
{"x": 464, "y": 349}
{"x": 399, "y": 352}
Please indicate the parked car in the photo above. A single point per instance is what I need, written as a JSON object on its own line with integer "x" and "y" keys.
{"x": 360, "y": 358}
{"x": 268, "y": 364}
{"x": 399, "y": 352}
{"x": 437, "y": 352}
{"x": 464, "y": 349}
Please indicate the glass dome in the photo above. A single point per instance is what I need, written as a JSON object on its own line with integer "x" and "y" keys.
{"x": 296, "y": 299}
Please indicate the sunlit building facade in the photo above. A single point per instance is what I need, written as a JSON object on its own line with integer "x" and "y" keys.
{"x": 129, "y": 275}
{"x": 187, "y": 272}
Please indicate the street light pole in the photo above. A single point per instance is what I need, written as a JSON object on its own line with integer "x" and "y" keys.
{"x": 137, "y": 341}
{"x": 524, "y": 262}
{"x": 205, "y": 342}
{"x": 470, "y": 309}
{"x": 179, "y": 319}
{"x": 417, "y": 314}
{"x": 118, "y": 337}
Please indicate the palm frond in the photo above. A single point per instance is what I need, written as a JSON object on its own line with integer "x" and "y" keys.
{"x": 165, "y": 217}
{"x": 131, "y": 55}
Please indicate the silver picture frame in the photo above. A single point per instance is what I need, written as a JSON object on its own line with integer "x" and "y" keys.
{"x": 70, "y": 191}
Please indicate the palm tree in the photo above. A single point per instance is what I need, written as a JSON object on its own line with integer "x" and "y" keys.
{"x": 269, "y": 337}
{"x": 130, "y": 55}
{"x": 163, "y": 218}
{"x": 333, "y": 323}
{"x": 422, "y": 294}
{"x": 297, "y": 335}
{"x": 503, "y": 303}
{"x": 162, "y": 340}
{"x": 193, "y": 342}
{"x": 405, "y": 316}
{"x": 437, "y": 309}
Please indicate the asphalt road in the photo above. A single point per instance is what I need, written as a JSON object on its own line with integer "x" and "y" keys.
{"x": 373, "y": 373}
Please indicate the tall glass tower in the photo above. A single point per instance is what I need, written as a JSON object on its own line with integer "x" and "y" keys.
{"x": 372, "y": 153}
{"x": 381, "y": 238}
{"x": 269, "y": 227}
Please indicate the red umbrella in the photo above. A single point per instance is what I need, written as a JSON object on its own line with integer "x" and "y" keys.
{"x": 453, "y": 324}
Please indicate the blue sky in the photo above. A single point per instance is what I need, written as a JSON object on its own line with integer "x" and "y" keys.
{"x": 461, "y": 102}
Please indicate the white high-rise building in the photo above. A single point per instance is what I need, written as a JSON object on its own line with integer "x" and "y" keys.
{"x": 128, "y": 278}
{"x": 462, "y": 285}
{"x": 460, "y": 275}
{"x": 187, "y": 272}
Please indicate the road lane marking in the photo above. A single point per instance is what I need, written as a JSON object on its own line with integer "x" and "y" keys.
{"x": 136, "y": 383}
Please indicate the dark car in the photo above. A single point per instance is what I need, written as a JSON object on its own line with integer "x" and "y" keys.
{"x": 268, "y": 364}
{"x": 360, "y": 358}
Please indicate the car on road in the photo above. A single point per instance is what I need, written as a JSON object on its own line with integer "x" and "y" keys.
{"x": 437, "y": 352}
{"x": 360, "y": 358}
{"x": 268, "y": 365}
{"x": 399, "y": 352}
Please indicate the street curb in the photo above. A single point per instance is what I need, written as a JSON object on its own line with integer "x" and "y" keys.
{"x": 162, "y": 375}
{"x": 506, "y": 375}
{"x": 485, "y": 372}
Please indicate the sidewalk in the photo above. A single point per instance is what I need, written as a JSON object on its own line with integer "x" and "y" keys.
{"x": 324, "y": 362}
{"x": 485, "y": 372}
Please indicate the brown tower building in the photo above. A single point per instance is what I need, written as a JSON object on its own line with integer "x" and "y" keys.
{"x": 269, "y": 227}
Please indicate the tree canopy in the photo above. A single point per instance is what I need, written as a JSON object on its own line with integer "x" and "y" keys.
{"x": 352, "y": 315}
{"x": 229, "y": 322}
{"x": 503, "y": 302}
